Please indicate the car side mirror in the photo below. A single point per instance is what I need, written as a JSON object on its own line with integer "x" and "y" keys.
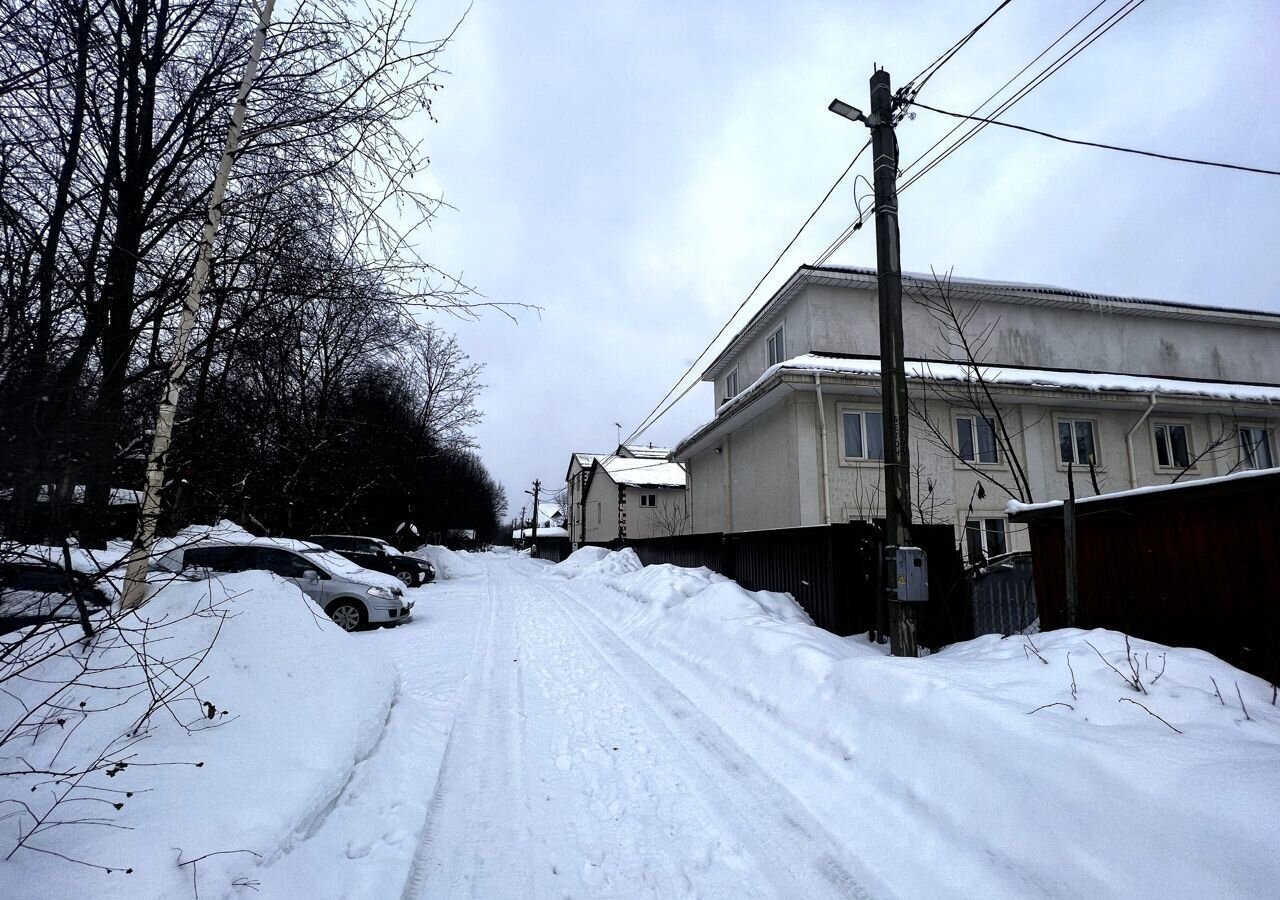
{"x": 311, "y": 575}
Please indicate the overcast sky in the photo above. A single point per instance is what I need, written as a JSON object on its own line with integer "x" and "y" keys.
{"x": 632, "y": 168}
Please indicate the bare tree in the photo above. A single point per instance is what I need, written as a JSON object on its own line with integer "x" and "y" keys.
{"x": 965, "y": 345}
{"x": 670, "y": 518}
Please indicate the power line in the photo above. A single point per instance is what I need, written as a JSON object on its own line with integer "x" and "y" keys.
{"x": 1100, "y": 146}
{"x": 1010, "y": 81}
{"x": 1038, "y": 79}
{"x": 911, "y": 89}
{"x": 651, "y": 418}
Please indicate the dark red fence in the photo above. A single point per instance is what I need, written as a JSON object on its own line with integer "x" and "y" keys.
{"x": 833, "y": 572}
{"x": 1196, "y": 566}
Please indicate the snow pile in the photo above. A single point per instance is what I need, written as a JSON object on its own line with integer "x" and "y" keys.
{"x": 224, "y": 532}
{"x": 245, "y": 765}
{"x": 596, "y": 562}
{"x": 698, "y": 592}
{"x": 575, "y": 562}
{"x": 1068, "y": 764}
{"x": 448, "y": 563}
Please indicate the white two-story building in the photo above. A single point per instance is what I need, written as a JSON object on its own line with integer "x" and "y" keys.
{"x": 1012, "y": 386}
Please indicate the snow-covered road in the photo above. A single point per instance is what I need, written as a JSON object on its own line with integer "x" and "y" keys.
{"x": 574, "y": 768}
{"x": 603, "y": 729}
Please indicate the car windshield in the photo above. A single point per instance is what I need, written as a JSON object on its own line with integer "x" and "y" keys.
{"x": 334, "y": 563}
{"x": 388, "y": 549}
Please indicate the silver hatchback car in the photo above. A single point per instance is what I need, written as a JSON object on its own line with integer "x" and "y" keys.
{"x": 352, "y": 596}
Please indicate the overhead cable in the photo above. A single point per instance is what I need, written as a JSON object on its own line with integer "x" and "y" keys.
{"x": 1083, "y": 143}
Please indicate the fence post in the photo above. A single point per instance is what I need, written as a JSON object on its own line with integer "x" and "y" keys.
{"x": 1069, "y": 549}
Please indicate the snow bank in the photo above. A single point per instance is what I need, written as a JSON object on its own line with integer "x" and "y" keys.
{"x": 448, "y": 563}
{"x": 247, "y": 766}
{"x": 698, "y": 592}
{"x": 1000, "y": 768}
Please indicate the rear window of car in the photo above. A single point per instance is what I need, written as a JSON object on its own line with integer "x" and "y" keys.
{"x": 331, "y": 542}
{"x": 220, "y": 559}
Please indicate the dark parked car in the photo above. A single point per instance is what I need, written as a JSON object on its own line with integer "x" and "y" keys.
{"x": 379, "y": 556}
{"x": 34, "y": 593}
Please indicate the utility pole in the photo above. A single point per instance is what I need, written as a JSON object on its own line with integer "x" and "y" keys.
{"x": 533, "y": 538}
{"x": 893, "y": 378}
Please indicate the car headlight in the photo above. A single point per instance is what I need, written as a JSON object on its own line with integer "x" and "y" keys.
{"x": 381, "y": 593}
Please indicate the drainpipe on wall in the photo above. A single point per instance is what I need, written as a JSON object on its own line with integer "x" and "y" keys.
{"x": 826, "y": 468}
{"x": 1128, "y": 442}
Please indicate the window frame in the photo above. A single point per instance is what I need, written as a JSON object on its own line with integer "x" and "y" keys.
{"x": 980, "y": 527}
{"x": 1073, "y": 418}
{"x": 847, "y": 409}
{"x": 731, "y": 384}
{"x": 776, "y": 345}
{"x": 653, "y": 501}
{"x": 1267, "y": 437}
{"x": 1172, "y": 466}
{"x": 977, "y": 462}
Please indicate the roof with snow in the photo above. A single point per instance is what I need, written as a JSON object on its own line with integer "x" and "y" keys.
{"x": 980, "y": 290}
{"x": 1005, "y": 376}
{"x": 640, "y": 451}
{"x": 584, "y": 461}
{"x": 1251, "y": 480}
{"x": 549, "y": 532}
{"x": 648, "y": 473}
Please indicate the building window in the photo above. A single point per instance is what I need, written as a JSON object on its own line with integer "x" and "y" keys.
{"x": 1173, "y": 445}
{"x": 731, "y": 384}
{"x": 777, "y": 347}
{"x": 976, "y": 440}
{"x": 1076, "y": 441}
{"x": 986, "y": 538}
{"x": 648, "y": 499}
{"x": 1255, "y": 448}
{"x": 863, "y": 435}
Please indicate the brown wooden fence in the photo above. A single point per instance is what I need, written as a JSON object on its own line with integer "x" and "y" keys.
{"x": 1197, "y": 566}
{"x": 832, "y": 571}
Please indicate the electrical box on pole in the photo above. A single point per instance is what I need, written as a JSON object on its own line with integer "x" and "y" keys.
{"x": 911, "y": 583}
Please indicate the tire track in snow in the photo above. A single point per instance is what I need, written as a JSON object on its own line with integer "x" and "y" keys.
{"x": 431, "y": 875}
{"x": 786, "y": 834}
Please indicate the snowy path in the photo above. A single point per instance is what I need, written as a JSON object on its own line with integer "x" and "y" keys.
{"x": 574, "y": 768}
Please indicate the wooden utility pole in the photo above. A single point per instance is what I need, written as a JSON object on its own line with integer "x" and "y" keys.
{"x": 533, "y": 540}
{"x": 135, "y": 579}
{"x": 893, "y": 378}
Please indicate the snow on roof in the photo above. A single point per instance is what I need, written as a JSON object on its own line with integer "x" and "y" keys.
{"x": 640, "y": 451}
{"x": 644, "y": 472}
{"x": 549, "y": 531}
{"x": 1013, "y": 506}
{"x": 1104, "y": 382}
{"x": 548, "y": 511}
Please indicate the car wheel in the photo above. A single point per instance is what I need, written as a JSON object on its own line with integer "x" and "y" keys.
{"x": 406, "y": 577}
{"x": 349, "y": 614}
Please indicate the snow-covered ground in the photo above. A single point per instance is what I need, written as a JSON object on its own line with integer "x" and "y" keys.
{"x": 598, "y": 729}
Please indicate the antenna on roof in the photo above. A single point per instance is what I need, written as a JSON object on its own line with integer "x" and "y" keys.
{"x": 618, "y": 425}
